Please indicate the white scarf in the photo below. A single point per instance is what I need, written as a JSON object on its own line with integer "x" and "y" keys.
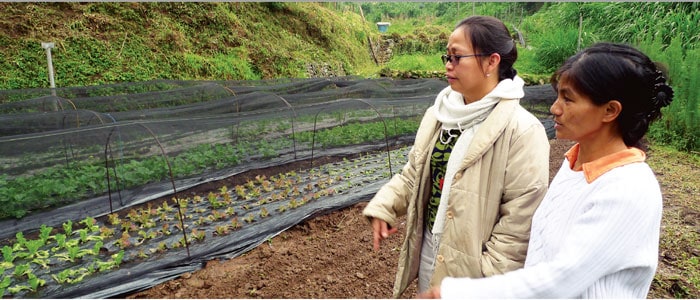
{"x": 453, "y": 114}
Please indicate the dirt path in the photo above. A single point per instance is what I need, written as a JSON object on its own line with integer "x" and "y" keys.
{"x": 331, "y": 257}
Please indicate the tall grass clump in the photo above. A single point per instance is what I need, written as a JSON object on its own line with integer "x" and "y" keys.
{"x": 680, "y": 124}
{"x": 554, "y": 47}
{"x": 633, "y": 21}
{"x": 668, "y": 32}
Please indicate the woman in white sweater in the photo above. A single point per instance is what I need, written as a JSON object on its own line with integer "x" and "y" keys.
{"x": 596, "y": 233}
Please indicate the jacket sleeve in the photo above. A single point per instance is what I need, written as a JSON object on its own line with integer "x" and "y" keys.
{"x": 392, "y": 199}
{"x": 525, "y": 184}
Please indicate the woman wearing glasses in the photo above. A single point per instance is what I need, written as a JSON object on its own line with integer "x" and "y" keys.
{"x": 476, "y": 173}
{"x": 596, "y": 233}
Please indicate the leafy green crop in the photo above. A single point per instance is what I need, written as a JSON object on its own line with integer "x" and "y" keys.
{"x": 59, "y": 185}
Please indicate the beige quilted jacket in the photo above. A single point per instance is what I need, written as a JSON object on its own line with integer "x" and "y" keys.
{"x": 500, "y": 183}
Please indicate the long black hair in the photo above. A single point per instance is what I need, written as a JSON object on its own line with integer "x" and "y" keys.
{"x": 609, "y": 71}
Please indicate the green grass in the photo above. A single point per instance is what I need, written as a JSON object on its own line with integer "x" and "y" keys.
{"x": 678, "y": 274}
{"x": 417, "y": 62}
{"x": 406, "y": 62}
{"x": 130, "y": 42}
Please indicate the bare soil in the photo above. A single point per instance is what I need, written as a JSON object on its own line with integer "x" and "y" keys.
{"x": 331, "y": 256}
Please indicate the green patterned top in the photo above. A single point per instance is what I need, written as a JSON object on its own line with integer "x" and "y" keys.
{"x": 438, "y": 166}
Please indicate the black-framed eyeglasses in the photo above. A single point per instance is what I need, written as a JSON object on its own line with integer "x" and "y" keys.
{"x": 454, "y": 58}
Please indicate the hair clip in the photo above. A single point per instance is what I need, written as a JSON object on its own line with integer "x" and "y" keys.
{"x": 660, "y": 87}
{"x": 663, "y": 95}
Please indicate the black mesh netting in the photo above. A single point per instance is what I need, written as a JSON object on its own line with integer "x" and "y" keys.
{"x": 97, "y": 186}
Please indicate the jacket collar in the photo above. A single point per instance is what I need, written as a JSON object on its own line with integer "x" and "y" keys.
{"x": 483, "y": 140}
{"x": 490, "y": 130}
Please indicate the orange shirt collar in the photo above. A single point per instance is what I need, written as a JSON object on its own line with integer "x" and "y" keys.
{"x": 594, "y": 169}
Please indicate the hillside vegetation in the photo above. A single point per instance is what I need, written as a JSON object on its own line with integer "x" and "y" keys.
{"x": 97, "y": 43}
{"x": 550, "y": 32}
{"x": 123, "y": 42}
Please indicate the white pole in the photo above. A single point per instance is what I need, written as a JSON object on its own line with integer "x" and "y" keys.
{"x": 48, "y": 47}
{"x": 580, "y": 29}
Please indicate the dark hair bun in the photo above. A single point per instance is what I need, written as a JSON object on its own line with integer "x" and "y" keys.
{"x": 664, "y": 95}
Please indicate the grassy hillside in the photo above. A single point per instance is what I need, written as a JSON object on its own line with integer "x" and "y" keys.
{"x": 97, "y": 43}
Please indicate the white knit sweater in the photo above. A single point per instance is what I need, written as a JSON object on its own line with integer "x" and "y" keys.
{"x": 588, "y": 240}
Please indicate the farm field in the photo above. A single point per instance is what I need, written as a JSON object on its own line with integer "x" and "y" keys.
{"x": 127, "y": 190}
{"x": 221, "y": 219}
{"x": 331, "y": 256}
{"x": 97, "y": 184}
